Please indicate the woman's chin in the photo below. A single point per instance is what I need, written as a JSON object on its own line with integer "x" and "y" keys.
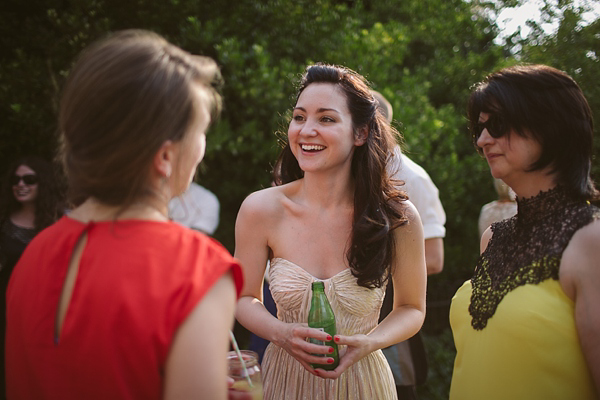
{"x": 25, "y": 199}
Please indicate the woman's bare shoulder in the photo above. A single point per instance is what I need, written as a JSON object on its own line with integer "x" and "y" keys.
{"x": 411, "y": 213}
{"x": 583, "y": 248}
{"x": 580, "y": 263}
{"x": 413, "y": 227}
{"x": 268, "y": 202}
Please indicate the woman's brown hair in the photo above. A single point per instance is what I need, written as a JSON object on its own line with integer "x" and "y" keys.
{"x": 126, "y": 95}
{"x": 378, "y": 206}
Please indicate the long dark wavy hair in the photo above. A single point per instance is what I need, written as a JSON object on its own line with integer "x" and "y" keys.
{"x": 49, "y": 205}
{"x": 378, "y": 208}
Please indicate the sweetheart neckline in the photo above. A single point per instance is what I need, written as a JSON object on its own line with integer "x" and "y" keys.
{"x": 308, "y": 273}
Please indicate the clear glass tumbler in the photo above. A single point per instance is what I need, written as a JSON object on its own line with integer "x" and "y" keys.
{"x": 246, "y": 375}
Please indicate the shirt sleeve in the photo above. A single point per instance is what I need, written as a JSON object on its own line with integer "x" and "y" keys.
{"x": 425, "y": 196}
{"x": 421, "y": 191}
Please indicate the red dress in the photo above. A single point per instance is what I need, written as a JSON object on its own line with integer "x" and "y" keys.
{"x": 137, "y": 282}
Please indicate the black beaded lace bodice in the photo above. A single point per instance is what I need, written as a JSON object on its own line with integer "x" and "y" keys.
{"x": 526, "y": 249}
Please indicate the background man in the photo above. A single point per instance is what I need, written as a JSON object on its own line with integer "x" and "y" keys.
{"x": 408, "y": 359}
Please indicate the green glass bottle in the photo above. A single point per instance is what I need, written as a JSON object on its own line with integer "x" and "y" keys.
{"x": 321, "y": 317}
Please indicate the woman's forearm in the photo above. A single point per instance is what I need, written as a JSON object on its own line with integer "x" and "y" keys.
{"x": 252, "y": 314}
{"x": 401, "y": 324}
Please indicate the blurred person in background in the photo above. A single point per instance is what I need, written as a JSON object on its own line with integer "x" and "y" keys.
{"x": 197, "y": 208}
{"x": 30, "y": 201}
{"x": 408, "y": 359}
{"x": 497, "y": 210}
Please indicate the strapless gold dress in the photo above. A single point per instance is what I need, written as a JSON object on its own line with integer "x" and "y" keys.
{"x": 356, "y": 312}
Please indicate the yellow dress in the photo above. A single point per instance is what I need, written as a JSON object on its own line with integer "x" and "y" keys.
{"x": 529, "y": 349}
{"x": 356, "y": 310}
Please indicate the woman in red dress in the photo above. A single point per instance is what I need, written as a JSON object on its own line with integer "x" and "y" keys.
{"x": 115, "y": 301}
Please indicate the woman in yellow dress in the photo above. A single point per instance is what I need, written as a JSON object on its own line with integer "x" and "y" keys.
{"x": 526, "y": 326}
{"x": 334, "y": 216}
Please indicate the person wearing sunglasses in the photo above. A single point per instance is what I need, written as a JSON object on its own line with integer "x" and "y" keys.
{"x": 526, "y": 325}
{"x": 29, "y": 202}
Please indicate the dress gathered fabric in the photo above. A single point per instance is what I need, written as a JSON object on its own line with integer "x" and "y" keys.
{"x": 356, "y": 311}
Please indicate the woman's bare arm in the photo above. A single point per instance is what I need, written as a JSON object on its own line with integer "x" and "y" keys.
{"x": 580, "y": 279}
{"x": 196, "y": 366}
{"x": 256, "y": 220}
{"x": 410, "y": 281}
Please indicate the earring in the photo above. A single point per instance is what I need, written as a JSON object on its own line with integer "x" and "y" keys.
{"x": 168, "y": 171}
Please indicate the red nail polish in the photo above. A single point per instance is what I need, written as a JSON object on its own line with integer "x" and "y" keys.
{"x": 330, "y": 361}
{"x": 337, "y": 339}
{"x": 328, "y": 338}
{"x": 331, "y": 349}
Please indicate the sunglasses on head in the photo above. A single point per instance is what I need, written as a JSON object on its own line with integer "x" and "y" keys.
{"x": 29, "y": 179}
{"x": 495, "y": 126}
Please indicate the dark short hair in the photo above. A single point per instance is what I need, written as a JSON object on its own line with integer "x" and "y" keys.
{"x": 547, "y": 105}
{"x": 377, "y": 202}
{"x": 126, "y": 95}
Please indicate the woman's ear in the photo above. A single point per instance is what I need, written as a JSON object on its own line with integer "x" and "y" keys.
{"x": 164, "y": 159}
{"x": 361, "y": 136}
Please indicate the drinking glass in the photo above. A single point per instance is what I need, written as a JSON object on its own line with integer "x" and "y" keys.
{"x": 246, "y": 374}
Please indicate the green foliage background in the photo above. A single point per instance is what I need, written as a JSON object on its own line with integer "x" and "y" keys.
{"x": 423, "y": 55}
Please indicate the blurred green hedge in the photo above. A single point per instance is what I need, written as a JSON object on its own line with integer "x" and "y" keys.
{"x": 422, "y": 55}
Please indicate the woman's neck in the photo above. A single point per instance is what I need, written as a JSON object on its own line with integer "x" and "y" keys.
{"x": 532, "y": 184}
{"x": 328, "y": 191}
{"x": 94, "y": 210}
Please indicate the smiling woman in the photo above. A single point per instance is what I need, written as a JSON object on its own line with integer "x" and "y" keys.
{"x": 29, "y": 202}
{"x": 334, "y": 216}
{"x": 320, "y": 133}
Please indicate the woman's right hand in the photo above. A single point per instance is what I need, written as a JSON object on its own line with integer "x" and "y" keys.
{"x": 293, "y": 340}
{"x": 233, "y": 394}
